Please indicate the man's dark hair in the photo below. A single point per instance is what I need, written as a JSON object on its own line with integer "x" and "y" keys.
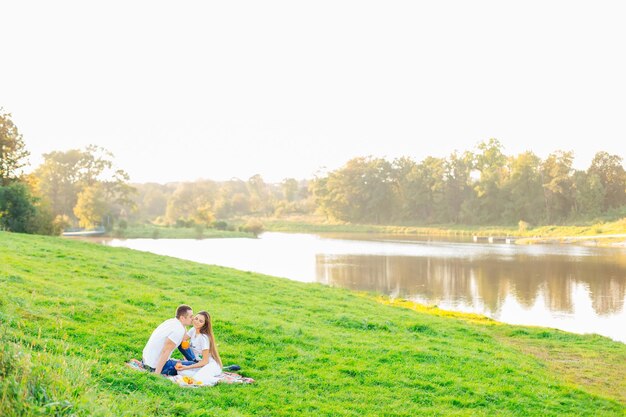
{"x": 182, "y": 310}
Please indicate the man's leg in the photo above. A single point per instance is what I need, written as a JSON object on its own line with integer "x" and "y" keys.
{"x": 168, "y": 368}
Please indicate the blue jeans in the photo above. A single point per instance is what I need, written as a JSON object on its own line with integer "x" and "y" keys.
{"x": 169, "y": 367}
{"x": 188, "y": 354}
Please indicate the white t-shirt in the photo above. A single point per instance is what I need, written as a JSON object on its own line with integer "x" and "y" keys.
{"x": 171, "y": 329}
{"x": 198, "y": 342}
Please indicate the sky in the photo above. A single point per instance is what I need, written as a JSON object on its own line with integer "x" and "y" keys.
{"x": 180, "y": 91}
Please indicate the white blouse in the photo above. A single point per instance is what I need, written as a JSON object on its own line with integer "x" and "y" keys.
{"x": 198, "y": 342}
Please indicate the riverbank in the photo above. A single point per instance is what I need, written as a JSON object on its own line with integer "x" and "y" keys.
{"x": 151, "y": 231}
{"x": 607, "y": 234}
{"x": 76, "y": 311}
{"x": 598, "y": 234}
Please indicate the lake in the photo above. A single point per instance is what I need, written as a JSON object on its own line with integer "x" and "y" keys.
{"x": 575, "y": 288}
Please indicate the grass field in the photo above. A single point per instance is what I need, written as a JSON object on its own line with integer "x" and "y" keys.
{"x": 73, "y": 312}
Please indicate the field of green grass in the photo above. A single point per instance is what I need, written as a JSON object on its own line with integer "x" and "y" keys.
{"x": 72, "y": 313}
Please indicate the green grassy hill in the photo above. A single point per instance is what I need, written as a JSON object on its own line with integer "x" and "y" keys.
{"x": 72, "y": 313}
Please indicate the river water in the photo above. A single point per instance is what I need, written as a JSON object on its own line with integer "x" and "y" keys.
{"x": 574, "y": 288}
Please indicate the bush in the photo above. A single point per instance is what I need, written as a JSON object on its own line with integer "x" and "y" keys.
{"x": 220, "y": 225}
{"x": 185, "y": 223}
{"x": 253, "y": 226}
{"x": 522, "y": 226}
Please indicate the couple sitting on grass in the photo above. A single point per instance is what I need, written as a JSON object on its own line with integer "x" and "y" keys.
{"x": 197, "y": 345}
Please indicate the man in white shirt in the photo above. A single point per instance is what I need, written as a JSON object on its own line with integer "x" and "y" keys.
{"x": 164, "y": 339}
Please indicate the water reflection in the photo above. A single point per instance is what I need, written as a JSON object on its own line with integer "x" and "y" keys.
{"x": 481, "y": 281}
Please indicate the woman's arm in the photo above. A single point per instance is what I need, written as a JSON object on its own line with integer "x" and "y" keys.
{"x": 205, "y": 359}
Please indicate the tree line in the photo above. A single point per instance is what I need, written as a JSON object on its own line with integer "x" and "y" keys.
{"x": 483, "y": 186}
{"x": 480, "y": 187}
{"x": 211, "y": 203}
{"x": 82, "y": 187}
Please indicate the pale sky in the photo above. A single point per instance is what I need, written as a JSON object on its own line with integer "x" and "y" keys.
{"x": 183, "y": 90}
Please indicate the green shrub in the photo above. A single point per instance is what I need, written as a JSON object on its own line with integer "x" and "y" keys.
{"x": 220, "y": 225}
{"x": 253, "y": 226}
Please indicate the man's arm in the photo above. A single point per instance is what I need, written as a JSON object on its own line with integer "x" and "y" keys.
{"x": 167, "y": 350}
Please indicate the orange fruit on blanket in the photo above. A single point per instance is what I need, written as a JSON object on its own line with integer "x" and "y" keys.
{"x": 185, "y": 344}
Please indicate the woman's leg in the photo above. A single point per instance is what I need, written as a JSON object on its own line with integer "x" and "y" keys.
{"x": 208, "y": 374}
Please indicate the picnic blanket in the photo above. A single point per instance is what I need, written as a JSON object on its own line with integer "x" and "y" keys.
{"x": 189, "y": 382}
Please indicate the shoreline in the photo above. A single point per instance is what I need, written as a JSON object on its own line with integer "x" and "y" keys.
{"x": 599, "y": 234}
{"x": 608, "y": 234}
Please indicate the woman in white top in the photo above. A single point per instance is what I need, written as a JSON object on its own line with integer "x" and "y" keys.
{"x": 202, "y": 343}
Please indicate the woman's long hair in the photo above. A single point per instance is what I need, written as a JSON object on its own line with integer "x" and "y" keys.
{"x": 207, "y": 329}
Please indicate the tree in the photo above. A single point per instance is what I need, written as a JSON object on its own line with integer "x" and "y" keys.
{"x": 588, "y": 194}
{"x": 419, "y": 189}
{"x": 233, "y": 199}
{"x": 120, "y": 195}
{"x": 58, "y": 180}
{"x": 431, "y": 175}
{"x": 458, "y": 184}
{"x": 609, "y": 170}
{"x": 103, "y": 202}
{"x": 91, "y": 206}
{"x": 556, "y": 176}
{"x": 63, "y": 175}
{"x": 17, "y": 212}
{"x": 362, "y": 190}
{"x": 491, "y": 163}
{"x": 192, "y": 201}
{"x": 289, "y": 188}
{"x": 524, "y": 189}
{"x": 401, "y": 171}
{"x": 13, "y": 152}
{"x": 151, "y": 200}
{"x": 260, "y": 195}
